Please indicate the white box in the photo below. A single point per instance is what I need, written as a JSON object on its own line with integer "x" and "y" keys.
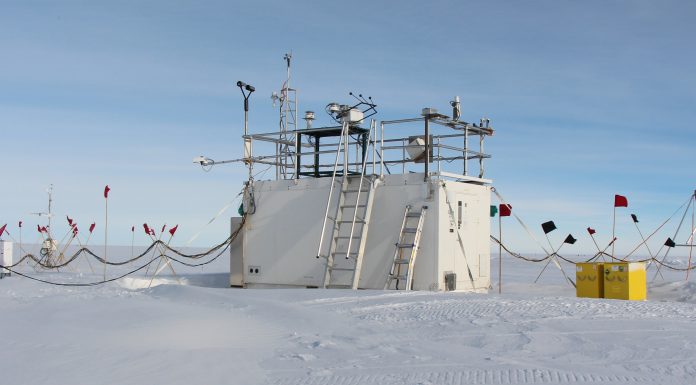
{"x": 5, "y": 255}
{"x": 353, "y": 116}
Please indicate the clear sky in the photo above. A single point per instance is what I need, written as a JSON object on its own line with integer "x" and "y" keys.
{"x": 588, "y": 99}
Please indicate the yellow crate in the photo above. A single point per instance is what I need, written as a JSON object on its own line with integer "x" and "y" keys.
{"x": 589, "y": 280}
{"x": 625, "y": 280}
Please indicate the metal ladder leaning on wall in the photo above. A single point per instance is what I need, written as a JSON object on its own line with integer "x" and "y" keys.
{"x": 406, "y": 249}
{"x": 350, "y": 222}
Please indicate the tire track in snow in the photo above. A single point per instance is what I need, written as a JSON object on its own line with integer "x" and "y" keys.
{"x": 462, "y": 377}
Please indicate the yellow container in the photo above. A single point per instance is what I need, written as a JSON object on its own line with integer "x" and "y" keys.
{"x": 625, "y": 280}
{"x": 589, "y": 280}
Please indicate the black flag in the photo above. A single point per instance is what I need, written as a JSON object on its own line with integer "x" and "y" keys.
{"x": 569, "y": 239}
{"x": 548, "y": 227}
{"x": 635, "y": 218}
{"x": 670, "y": 243}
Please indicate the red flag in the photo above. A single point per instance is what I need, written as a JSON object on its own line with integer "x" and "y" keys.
{"x": 591, "y": 230}
{"x": 44, "y": 230}
{"x": 69, "y": 220}
{"x": 38, "y": 228}
{"x": 163, "y": 227}
{"x": 74, "y": 230}
{"x": 173, "y": 230}
{"x": 92, "y": 226}
{"x": 152, "y": 232}
{"x": 20, "y": 224}
{"x": 132, "y": 229}
{"x": 147, "y": 228}
{"x": 620, "y": 201}
{"x": 2, "y": 229}
{"x": 505, "y": 210}
{"x": 106, "y": 191}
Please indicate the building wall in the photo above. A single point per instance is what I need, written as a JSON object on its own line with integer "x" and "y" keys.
{"x": 280, "y": 239}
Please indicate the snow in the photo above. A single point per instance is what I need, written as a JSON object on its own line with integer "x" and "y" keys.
{"x": 192, "y": 329}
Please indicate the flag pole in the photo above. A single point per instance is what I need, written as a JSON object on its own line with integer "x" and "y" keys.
{"x": 691, "y": 244}
{"x": 500, "y": 254}
{"x": 613, "y": 231}
{"x": 20, "y": 239}
{"x": 132, "y": 244}
{"x": 550, "y": 257}
{"x": 597, "y": 246}
{"x": 106, "y": 231}
{"x": 106, "y": 224}
{"x": 87, "y": 257}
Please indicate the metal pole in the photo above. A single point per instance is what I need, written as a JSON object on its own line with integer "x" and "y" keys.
{"x": 427, "y": 147}
{"x": 381, "y": 151}
{"x": 316, "y": 157}
{"x": 481, "y": 156}
{"x": 465, "y": 153}
{"x": 298, "y": 154}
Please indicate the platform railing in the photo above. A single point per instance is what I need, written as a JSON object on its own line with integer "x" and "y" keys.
{"x": 446, "y": 154}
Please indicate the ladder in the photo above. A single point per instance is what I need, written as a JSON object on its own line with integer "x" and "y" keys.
{"x": 351, "y": 221}
{"x": 351, "y": 224}
{"x": 406, "y": 250}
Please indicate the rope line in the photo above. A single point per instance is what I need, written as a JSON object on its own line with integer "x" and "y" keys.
{"x": 217, "y": 250}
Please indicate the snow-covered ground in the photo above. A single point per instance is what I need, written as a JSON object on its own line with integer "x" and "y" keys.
{"x": 197, "y": 331}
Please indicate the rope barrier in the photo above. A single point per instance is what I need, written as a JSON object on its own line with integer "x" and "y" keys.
{"x": 219, "y": 249}
{"x": 597, "y": 255}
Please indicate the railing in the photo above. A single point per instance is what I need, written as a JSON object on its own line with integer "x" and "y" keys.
{"x": 437, "y": 147}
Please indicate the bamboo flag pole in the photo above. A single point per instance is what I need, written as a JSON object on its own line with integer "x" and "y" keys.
{"x": 505, "y": 211}
{"x": 132, "y": 241}
{"x": 691, "y": 241}
{"x": 87, "y": 257}
{"x": 569, "y": 240}
{"x": 619, "y": 201}
{"x": 106, "y": 224}
{"x": 167, "y": 262}
{"x": 21, "y": 250}
{"x": 613, "y": 231}
{"x": 500, "y": 254}
{"x": 599, "y": 251}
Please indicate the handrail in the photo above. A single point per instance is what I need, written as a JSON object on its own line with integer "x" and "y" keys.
{"x": 357, "y": 200}
{"x": 331, "y": 190}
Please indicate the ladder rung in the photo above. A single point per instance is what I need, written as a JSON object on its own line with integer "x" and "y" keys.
{"x": 355, "y": 190}
{"x": 405, "y": 245}
{"x": 346, "y": 237}
{"x": 410, "y": 230}
{"x": 413, "y": 215}
{"x": 352, "y": 206}
{"x": 340, "y": 269}
{"x": 339, "y": 253}
{"x": 402, "y": 261}
{"x": 351, "y": 221}
{"x": 399, "y": 277}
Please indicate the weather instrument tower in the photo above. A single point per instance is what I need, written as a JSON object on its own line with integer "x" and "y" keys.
{"x": 287, "y": 103}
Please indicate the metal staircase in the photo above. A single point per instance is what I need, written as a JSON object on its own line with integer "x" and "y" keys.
{"x": 406, "y": 250}
{"x": 351, "y": 221}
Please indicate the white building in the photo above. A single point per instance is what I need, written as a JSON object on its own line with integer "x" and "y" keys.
{"x": 392, "y": 205}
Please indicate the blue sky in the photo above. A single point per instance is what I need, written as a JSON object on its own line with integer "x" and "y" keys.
{"x": 588, "y": 99}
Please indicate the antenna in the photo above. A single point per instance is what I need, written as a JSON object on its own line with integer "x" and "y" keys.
{"x": 287, "y": 101}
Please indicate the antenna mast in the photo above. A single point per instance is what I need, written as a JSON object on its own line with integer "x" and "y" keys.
{"x": 287, "y": 122}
